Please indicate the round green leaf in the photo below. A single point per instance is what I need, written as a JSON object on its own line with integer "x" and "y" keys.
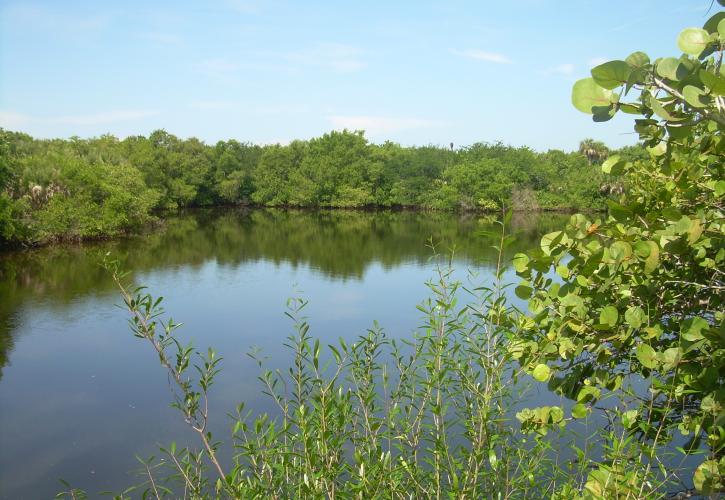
{"x": 637, "y": 59}
{"x": 541, "y": 372}
{"x": 611, "y": 74}
{"x": 579, "y": 411}
{"x": 609, "y": 316}
{"x": 604, "y": 114}
{"x": 721, "y": 29}
{"x": 647, "y": 356}
{"x": 679, "y": 131}
{"x": 711, "y": 24}
{"x": 694, "y": 96}
{"x": 660, "y": 110}
{"x": 653, "y": 260}
{"x": 683, "y": 225}
{"x": 693, "y": 41}
{"x": 588, "y": 393}
{"x": 691, "y": 329}
{"x": 587, "y": 96}
{"x": 620, "y": 250}
{"x": 671, "y": 358}
{"x": 520, "y": 262}
{"x": 658, "y": 150}
{"x": 549, "y": 240}
{"x": 650, "y": 252}
{"x": 705, "y": 475}
{"x": 716, "y": 83}
{"x": 562, "y": 271}
{"x": 523, "y": 292}
{"x": 642, "y": 249}
{"x": 670, "y": 68}
{"x": 720, "y": 188}
{"x": 611, "y": 164}
{"x": 635, "y": 316}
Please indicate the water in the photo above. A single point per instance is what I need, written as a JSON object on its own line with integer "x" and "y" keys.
{"x": 80, "y": 396}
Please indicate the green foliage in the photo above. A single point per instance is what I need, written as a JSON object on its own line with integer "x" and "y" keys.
{"x": 380, "y": 417}
{"x": 271, "y": 175}
{"x": 10, "y": 227}
{"x": 234, "y": 165}
{"x": 640, "y": 292}
{"x": 39, "y": 185}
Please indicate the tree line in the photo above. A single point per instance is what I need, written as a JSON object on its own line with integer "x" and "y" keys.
{"x": 89, "y": 188}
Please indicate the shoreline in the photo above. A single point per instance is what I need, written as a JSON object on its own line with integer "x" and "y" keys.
{"x": 161, "y": 216}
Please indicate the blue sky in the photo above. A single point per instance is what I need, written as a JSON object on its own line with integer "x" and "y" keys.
{"x": 413, "y": 72}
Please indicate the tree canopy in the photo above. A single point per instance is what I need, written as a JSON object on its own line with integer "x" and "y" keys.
{"x": 82, "y": 188}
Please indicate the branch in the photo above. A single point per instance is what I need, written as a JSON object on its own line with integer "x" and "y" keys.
{"x": 718, "y": 117}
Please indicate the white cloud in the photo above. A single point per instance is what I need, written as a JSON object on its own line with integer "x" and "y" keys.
{"x": 337, "y": 57}
{"x": 561, "y": 69}
{"x": 12, "y": 120}
{"x": 103, "y": 118}
{"x": 50, "y": 20}
{"x": 482, "y": 55}
{"x": 596, "y": 61}
{"x": 379, "y": 125}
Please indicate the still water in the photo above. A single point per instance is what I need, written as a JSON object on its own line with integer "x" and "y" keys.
{"x": 80, "y": 397}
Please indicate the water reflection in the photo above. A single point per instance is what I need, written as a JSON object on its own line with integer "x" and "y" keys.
{"x": 338, "y": 244}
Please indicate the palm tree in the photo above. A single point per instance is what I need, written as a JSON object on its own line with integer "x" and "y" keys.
{"x": 595, "y": 151}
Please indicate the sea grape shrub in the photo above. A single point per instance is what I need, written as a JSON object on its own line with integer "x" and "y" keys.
{"x": 640, "y": 291}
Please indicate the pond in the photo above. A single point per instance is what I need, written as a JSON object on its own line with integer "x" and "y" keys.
{"x": 80, "y": 397}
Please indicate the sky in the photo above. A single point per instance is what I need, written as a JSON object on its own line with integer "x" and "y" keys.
{"x": 413, "y": 72}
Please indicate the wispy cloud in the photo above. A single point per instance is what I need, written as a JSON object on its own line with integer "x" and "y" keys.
{"x": 104, "y": 118}
{"x": 379, "y": 125}
{"x": 334, "y": 56}
{"x": 483, "y": 55}
{"x": 12, "y": 120}
{"x": 565, "y": 69}
{"x": 49, "y": 20}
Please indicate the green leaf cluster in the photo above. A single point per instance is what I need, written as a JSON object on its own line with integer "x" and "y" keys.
{"x": 640, "y": 292}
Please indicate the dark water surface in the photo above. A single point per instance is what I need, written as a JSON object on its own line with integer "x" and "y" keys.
{"x": 80, "y": 396}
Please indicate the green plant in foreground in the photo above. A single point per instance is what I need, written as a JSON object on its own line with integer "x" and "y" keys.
{"x": 425, "y": 417}
{"x": 641, "y": 291}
